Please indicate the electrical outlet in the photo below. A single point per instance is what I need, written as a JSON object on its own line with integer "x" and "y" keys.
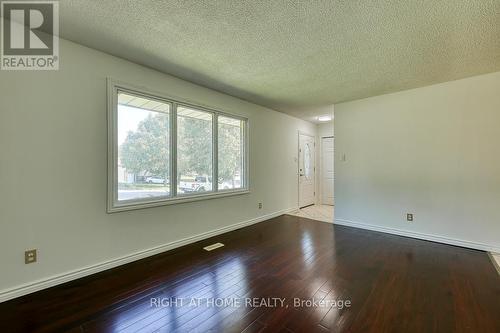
{"x": 409, "y": 217}
{"x": 30, "y": 256}
{"x": 260, "y": 205}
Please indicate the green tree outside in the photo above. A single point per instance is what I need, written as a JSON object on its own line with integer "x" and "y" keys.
{"x": 146, "y": 150}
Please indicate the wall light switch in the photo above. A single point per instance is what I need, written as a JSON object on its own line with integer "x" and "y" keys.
{"x": 30, "y": 256}
{"x": 409, "y": 217}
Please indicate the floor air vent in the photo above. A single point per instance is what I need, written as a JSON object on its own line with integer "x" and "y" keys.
{"x": 213, "y": 246}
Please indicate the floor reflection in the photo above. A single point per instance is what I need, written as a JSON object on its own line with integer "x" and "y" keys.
{"x": 189, "y": 303}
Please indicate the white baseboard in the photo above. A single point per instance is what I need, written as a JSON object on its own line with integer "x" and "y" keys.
{"x": 494, "y": 262}
{"x": 418, "y": 235}
{"x": 28, "y": 288}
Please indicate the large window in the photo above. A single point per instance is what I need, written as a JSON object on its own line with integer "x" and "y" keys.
{"x": 163, "y": 151}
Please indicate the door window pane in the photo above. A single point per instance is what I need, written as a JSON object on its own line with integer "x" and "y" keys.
{"x": 143, "y": 147}
{"x": 231, "y": 152}
{"x": 308, "y": 172}
{"x": 194, "y": 151}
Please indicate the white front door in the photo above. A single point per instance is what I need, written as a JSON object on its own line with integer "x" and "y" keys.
{"x": 306, "y": 170}
{"x": 327, "y": 171}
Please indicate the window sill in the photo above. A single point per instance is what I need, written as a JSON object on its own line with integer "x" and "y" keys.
{"x": 133, "y": 205}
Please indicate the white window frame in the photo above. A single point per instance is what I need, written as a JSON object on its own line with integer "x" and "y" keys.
{"x": 113, "y": 205}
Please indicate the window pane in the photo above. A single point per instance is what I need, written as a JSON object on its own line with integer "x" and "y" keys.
{"x": 230, "y": 144}
{"x": 143, "y": 148}
{"x": 194, "y": 151}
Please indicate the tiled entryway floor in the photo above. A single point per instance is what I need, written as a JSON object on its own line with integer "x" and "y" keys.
{"x": 316, "y": 212}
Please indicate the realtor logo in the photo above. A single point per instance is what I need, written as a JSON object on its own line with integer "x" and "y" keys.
{"x": 30, "y": 35}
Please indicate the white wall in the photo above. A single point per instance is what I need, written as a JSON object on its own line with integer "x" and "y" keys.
{"x": 432, "y": 151}
{"x": 53, "y": 169}
{"x": 325, "y": 129}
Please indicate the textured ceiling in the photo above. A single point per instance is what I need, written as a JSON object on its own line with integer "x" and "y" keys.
{"x": 295, "y": 56}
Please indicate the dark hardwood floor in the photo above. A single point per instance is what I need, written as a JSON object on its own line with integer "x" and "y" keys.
{"x": 393, "y": 284}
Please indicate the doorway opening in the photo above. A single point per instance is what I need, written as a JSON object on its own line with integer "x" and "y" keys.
{"x": 316, "y": 189}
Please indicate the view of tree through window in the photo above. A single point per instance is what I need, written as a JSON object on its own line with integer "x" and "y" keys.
{"x": 143, "y": 168}
{"x": 143, "y": 148}
{"x": 230, "y": 135}
{"x": 194, "y": 150}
